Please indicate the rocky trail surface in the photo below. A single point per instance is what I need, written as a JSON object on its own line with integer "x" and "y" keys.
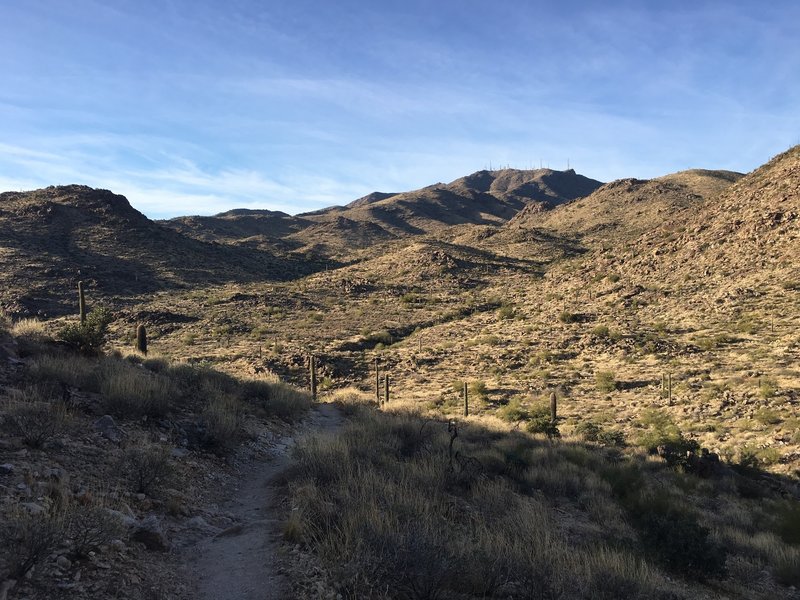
{"x": 240, "y": 562}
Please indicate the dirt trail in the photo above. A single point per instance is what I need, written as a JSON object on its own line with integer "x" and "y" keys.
{"x": 239, "y": 563}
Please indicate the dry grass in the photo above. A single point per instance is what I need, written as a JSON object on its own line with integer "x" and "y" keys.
{"x": 32, "y": 328}
{"x": 391, "y": 513}
{"x": 131, "y": 391}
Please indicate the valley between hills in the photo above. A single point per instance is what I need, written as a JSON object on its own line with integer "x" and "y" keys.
{"x": 659, "y": 319}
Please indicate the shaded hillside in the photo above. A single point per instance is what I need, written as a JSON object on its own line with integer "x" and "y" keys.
{"x": 250, "y": 227}
{"x": 626, "y": 207}
{"x": 51, "y": 238}
{"x": 342, "y": 232}
{"x": 483, "y": 198}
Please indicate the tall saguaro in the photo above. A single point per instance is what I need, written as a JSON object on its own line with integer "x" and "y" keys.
{"x": 466, "y": 399}
{"x": 81, "y": 303}
{"x": 377, "y": 382}
{"x": 312, "y": 367}
{"x": 386, "y": 388}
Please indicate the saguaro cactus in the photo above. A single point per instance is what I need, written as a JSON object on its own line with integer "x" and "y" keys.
{"x": 669, "y": 389}
{"x": 81, "y": 303}
{"x": 466, "y": 399}
{"x": 141, "y": 339}
{"x": 377, "y": 382}
{"x": 386, "y": 388}
{"x": 553, "y": 407}
{"x": 312, "y": 366}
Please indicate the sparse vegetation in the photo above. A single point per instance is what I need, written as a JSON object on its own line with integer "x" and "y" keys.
{"x": 88, "y": 337}
{"x": 146, "y": 467}
{"x": 605, "y": 381}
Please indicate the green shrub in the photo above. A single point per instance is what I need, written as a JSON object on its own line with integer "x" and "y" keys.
{"x": 90, "y": 336}
{"x": 542, "y": 424}
{"x": 569, "y": 317}
{"x": 478, "y": 389}
{"x": 767, "y": 387}
{"x": 588, "y": 430}
{"x": 592, "y": 432}
{"x": 600, "y": 331}
{"x": 605, "y": 382}
{"x": 514, "y": 411}
{"x": 661, "y": 430}
{"x": 505, "y": 312}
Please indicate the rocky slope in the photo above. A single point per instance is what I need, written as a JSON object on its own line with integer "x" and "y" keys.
{"x": 53, "y": 237}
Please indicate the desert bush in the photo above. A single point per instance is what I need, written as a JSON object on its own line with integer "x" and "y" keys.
{"x": 28, "y": 538}
{"x": 146, "y": 467}
{"x": 588, "y": 431}
{"x": 90, "y": 336}
{"x": 35, "y": 420}
{"x": 477, "y": 389}
{"x": 605, "y": 382}
{"x": 600, "y": 331}
{"x": 767, "y": 387}
{"x": 383, "y": 336}
{"x": 591, "y": 432}
{"x": 540, "y": 423}
{"x": 661, "y": 431}
{"x": 514, "y": 411}
{"x": 505, "y": 312}
{"x": 91, "y": 525}
{"x": 569, "y": 317}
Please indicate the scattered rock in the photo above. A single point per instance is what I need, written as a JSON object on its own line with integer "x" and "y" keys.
{"x": 108, "y": 428}
{"x": 150, "y": 533}
{"x": 63, "y": 562}
{"x": 6, "y": 469}
{"x": 33, "y": 508}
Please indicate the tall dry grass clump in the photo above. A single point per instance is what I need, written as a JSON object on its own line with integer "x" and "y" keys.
{"x": 131, "y": 391}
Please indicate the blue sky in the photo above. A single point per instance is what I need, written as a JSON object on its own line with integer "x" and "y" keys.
{"x": 195, "y": 107}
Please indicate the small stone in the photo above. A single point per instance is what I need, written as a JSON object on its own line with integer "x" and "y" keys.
{"x": 150, "y": 533}
{"x": 108, "y": 428}
{"x": 118, "y": 545}
{"x": 63, "y": 562}
{"x": 33, "y": 508}
{"x": 6, "y": 469}
{"x": 140, "y": 497}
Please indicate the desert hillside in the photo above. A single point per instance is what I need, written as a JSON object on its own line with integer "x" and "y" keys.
{"x": 54, "y": 237}
{"x": 552, "y": 387}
